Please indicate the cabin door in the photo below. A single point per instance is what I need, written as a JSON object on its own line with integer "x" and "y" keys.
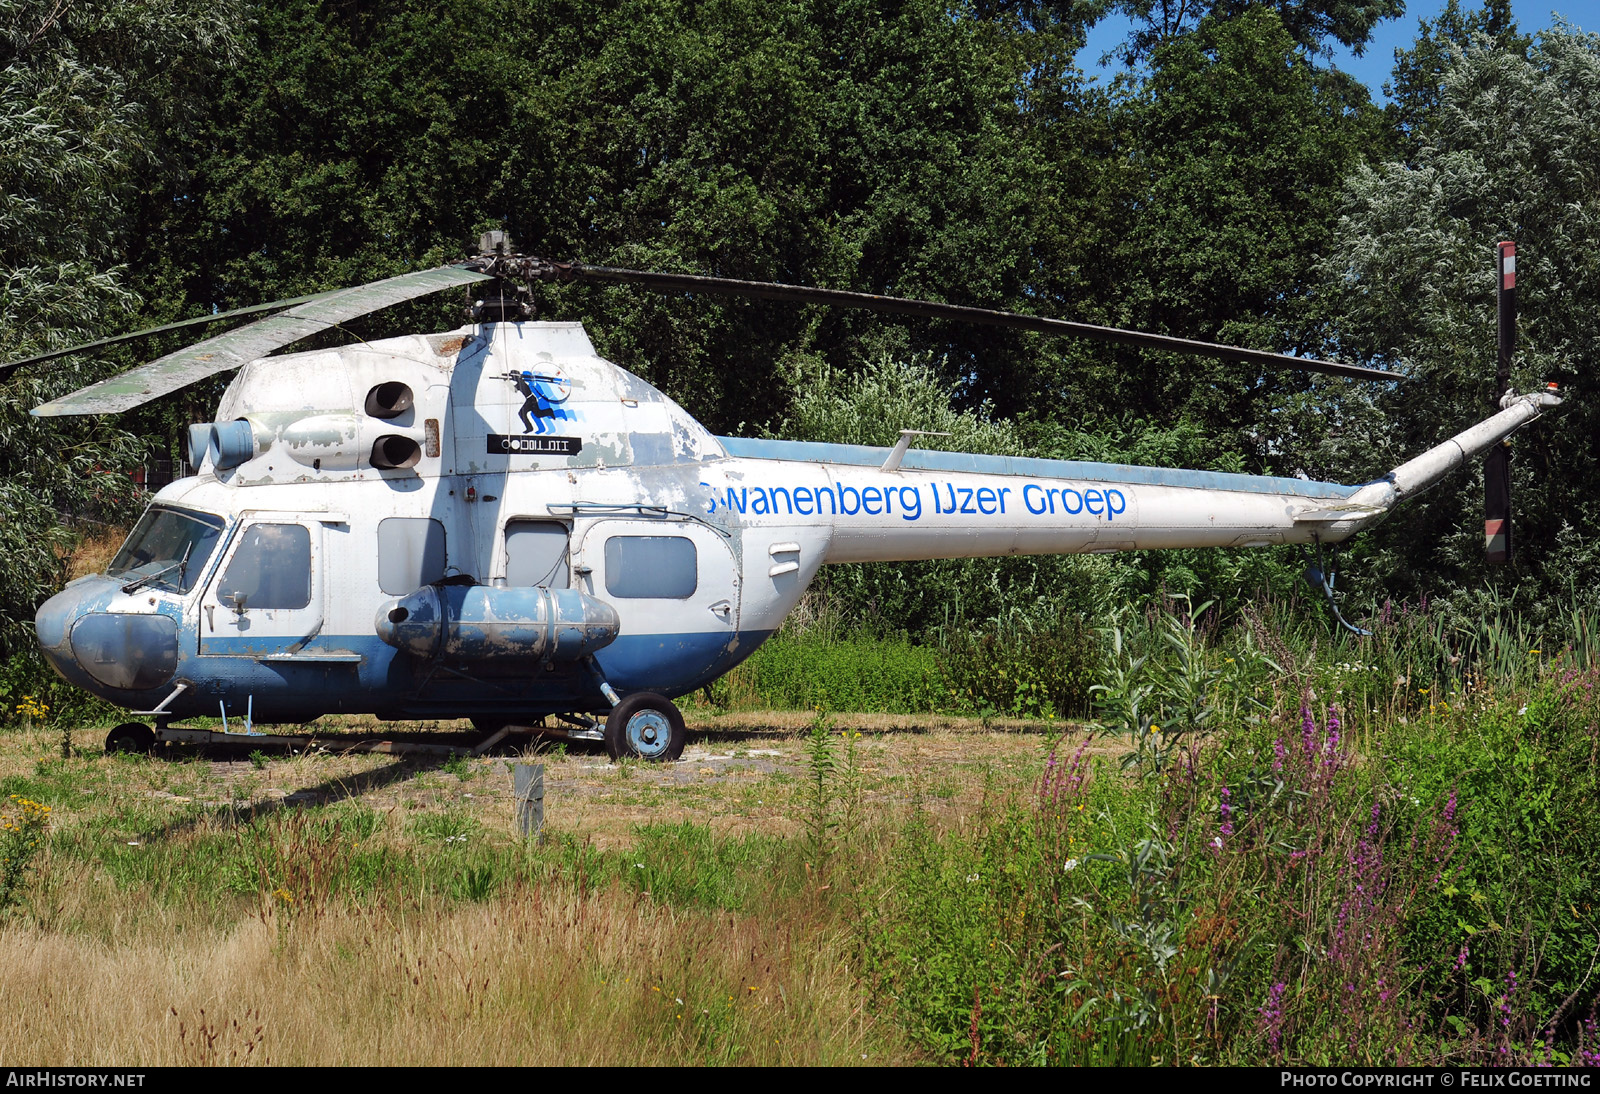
{"x": 675, "y": 587}
{"x": 266, "y": 598}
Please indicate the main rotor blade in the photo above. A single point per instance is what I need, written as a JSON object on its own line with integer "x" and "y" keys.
{"x": 117, "y": 339}
{"x": 986, "y": 316}
{"x": 238, "y": 347}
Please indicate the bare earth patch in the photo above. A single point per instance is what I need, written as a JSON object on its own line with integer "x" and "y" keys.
{"x": 740, "y": 773}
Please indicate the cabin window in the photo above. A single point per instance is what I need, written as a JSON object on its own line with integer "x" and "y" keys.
{"x": 271, "y": 569}
{"x": 410, "y": 554}
{"x": 536, "y": 553}
{"x": 651, "y": 566}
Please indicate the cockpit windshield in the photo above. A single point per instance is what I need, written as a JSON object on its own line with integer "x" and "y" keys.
{"x": 168, "y": 547}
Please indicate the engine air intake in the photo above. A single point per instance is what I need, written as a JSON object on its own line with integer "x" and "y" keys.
{"x": 389, "y": 400}
{"x": 391, "y": 452}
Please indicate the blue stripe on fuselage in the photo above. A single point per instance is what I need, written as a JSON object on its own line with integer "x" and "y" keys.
{"x": 387, "y": 682}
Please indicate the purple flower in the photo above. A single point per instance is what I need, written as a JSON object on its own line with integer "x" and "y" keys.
{"x": 1272, "y": 1016}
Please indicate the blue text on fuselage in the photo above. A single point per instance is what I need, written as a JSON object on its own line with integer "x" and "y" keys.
{"x": 906, "y": 502}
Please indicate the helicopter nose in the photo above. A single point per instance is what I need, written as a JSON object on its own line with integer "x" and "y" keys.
{"x": 96, "y": 649}
{"x": 52, "y": 623}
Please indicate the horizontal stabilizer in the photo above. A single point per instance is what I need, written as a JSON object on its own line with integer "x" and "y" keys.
{"x": 244, "y": 344}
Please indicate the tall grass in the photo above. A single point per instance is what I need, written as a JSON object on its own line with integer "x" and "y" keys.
{"x": 1261, "y": 885}
{"x": 549, "y": 973}
{"x": 1321, "y": 848}
{"x": 339, "y": 936}
{"x": 1039, "y": 660}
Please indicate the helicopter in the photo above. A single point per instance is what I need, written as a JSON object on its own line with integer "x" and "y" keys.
{"x": 495, "y": 523}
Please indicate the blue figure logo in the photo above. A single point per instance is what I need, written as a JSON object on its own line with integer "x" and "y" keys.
{"x": 539, "y": 411}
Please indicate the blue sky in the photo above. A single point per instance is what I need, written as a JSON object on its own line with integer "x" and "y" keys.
{"x": 1372, "y": 68}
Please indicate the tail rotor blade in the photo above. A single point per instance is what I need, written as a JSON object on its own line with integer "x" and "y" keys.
{"x": 1498, "y": 544}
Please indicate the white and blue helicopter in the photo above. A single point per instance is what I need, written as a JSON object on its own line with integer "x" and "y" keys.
{"x": 495, "y": 523}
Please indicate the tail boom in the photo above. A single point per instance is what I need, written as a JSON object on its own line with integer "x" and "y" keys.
{"x": 927, "y": 505}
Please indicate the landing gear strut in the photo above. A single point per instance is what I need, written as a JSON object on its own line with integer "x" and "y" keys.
{"x": 647, "y": 726}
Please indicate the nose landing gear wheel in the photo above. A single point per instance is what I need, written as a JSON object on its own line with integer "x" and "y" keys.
{"x": 647, "y": 726}
{"x": 130, "y": 737}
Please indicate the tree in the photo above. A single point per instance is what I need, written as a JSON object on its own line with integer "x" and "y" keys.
{"x": 1235, "y": 149}
{"x": 1309, "y": 22}
{"x": 1509, "y": 152}
{"x": 842, "y": 142}
{"x": 1419, "y": 72}
{"x": 89, "y": 92}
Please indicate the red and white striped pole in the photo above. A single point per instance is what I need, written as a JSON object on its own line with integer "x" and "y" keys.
{"x": 1497, "y": 542}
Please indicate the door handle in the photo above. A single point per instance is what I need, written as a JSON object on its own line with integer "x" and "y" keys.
{"x": 722, "y": 609}
{"x": 211, "y": 617}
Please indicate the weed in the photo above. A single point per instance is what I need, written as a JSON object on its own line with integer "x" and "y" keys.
{"x": 821, "y": 767}
{"x": 448, "y": 827}
{"x": 295, "y": 862}
{"x": 1032, "y": 661}
{"x": 458, "y": 766}
{"x": 478, "y": 881}
{"x": 23, "y": 825}
{"x": 258, "y": 760}
{"x": 212, "y": 1041}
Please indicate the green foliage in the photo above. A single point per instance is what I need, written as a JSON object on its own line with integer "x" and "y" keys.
{"x": 451, "y": 827}
{"x": 1167, "y": 686}
{"x": 1309, "y": 22}
{"x": 1519, "y": 898}
{"x": 821, "y": 771}
{"x": 31, "y": 691}
{"x": 839, "y": 143}
{"x": 1028, "y": 662}
{"x": 1236, "y": 145}
{"x": 90, "y": 93}
{"x": 805, "y": 671}
{"x": 1419, "y": 72}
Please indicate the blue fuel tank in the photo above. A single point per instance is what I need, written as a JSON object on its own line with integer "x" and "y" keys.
{"x": 483, "y": 623}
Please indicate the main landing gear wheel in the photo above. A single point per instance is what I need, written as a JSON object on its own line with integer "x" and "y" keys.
{"x": 647, "y": 726}
{"x": 130, "y": 737}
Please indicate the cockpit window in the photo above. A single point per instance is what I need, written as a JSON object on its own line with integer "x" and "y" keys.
{"x": 168, "y": 548}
